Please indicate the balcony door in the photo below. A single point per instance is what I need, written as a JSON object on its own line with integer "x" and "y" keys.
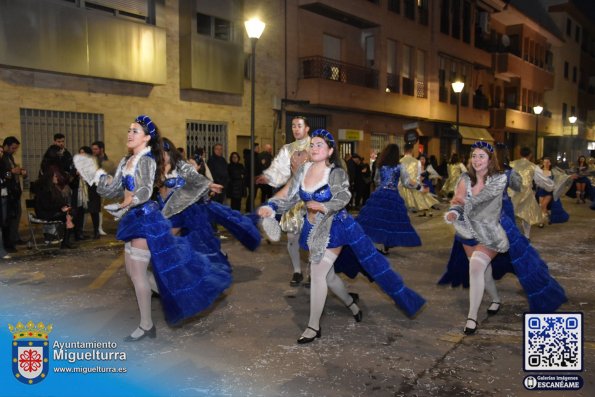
{"x": 332, "y": 50}
{"x": 331, "y": 47}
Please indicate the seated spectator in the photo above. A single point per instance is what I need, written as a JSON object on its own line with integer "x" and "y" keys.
{"x": 52, "y": 201}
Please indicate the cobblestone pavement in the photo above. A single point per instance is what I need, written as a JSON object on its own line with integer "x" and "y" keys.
{"x": 245, "y": 345}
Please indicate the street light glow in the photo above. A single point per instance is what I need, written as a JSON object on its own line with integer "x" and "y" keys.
{"x": 572, "y": 119}
{"x": 254, "y": 28}
{"x": 537, "y": 109}
{"x": 458, "y": 86}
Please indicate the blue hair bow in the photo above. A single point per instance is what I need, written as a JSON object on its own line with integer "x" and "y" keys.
{"x": 325, "y": 135}
{"x": 483, "y": 145}
{"x": 147, "y": 122}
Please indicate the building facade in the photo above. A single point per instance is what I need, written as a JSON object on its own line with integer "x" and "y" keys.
{"x": 88, "y": 68}
{"x": 368, "y": 70}
{"x": 574, "y": 94}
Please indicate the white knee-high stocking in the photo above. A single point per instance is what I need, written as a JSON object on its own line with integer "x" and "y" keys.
{"x": 137, "y": 262}
{"x": 153, "y": 282}
{"x": 478, "y": 264}
{"x": 526, "y": 229}
{"x": 336, "y": 285}
{"x": 490, "y": 285}
{"x": 293, "y": 248}
{"x": 318, "y": 290}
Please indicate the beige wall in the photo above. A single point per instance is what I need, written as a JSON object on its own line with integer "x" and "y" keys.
{"x": 121, "y": 102}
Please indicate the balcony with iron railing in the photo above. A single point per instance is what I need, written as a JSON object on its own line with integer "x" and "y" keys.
{"x": 328, "y": 82}
{"x": 392, "y": 83}
{"x": 508, "y": 65}
{"x": 511, "y": 117}
{"x": 415, "y": 88}
{"x": 318, "y": 67}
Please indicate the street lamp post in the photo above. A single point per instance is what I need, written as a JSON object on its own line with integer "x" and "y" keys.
{"x": 254, "y": 29}
{"x": 457, "y": 87}
{"x": 572, "y": 119}
{"x": 537, "y": 110}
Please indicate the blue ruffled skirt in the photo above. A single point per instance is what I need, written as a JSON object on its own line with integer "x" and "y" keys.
{"x": 360, "y": 256}
{"x": 196, "y": 228}
{"x": 557, "y": 212}
{"x": 542, "y": 193}
{"x": 385, "y": 220}
{"x": 428, "y": 183}
{"x": 241, "y": 227}
{"x": 188, "y": 282}
{"x": 543, "y": 291}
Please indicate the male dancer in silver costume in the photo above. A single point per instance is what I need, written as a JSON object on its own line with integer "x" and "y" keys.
{"x": 290, "y": 157}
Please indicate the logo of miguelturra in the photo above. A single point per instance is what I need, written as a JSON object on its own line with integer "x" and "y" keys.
{"x": 30, "y": 351}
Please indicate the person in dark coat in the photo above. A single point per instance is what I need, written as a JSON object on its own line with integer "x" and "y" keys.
{"x": 265, "y": 158}
{"x": 257, "y": 171}
{"x": 218, "y": 166}
{"x": 362, "y": 182}
{"x": 12, "y": 182}
{"x": 3, "y": 204}
{"x": 235, "y": 188}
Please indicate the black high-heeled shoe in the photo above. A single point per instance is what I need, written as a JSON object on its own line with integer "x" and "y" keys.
{"x": 359, "y": 315}
{"x": 491, "y": 312}
{"x": 151, "y": 333}
{"x": 470, "y": 331}
{"x": 304, "y": 339}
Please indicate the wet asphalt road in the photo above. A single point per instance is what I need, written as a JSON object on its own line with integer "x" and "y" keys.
{"x": 245, "y": 345}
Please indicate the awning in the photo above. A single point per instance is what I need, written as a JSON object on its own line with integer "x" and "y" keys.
{"x": 471, "y": 135}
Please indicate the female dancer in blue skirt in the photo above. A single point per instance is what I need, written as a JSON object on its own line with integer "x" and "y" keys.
{"x": 551, "y": 207}
{"x": 187, "y": 282}
{"x": 384, "y": 217}
{"x": 324, "y": 187}
{"x": 489, "y": 238}
{"x": 183, "y": 198}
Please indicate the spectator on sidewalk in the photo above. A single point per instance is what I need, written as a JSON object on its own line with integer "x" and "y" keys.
{"x": 3, "y": 205}
{"x": 12, "y": 177}
{"x": 264, "y": 161}
{"x": 257, "y": 172}
{"x": 95, "y": 201}
{"x": 236, "y": 189}
{"x": 218, "y": 166}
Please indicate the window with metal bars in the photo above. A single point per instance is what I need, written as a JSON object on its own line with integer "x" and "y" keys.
{"x": 378, "y": 142}
{"x": 204, "y": 135}
{"x": 38, "y": 127}
{"x": 346, "y": 148}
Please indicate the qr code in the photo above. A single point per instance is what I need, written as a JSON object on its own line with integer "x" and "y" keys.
{"x": 553, "y": 342}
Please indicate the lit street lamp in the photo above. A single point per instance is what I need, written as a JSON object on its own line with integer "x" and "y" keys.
{"x": 572, "y": 120}
{"x": 457, "y": 87}
{"x": 537, "y": 110}
{"x": 254, "y": 29}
